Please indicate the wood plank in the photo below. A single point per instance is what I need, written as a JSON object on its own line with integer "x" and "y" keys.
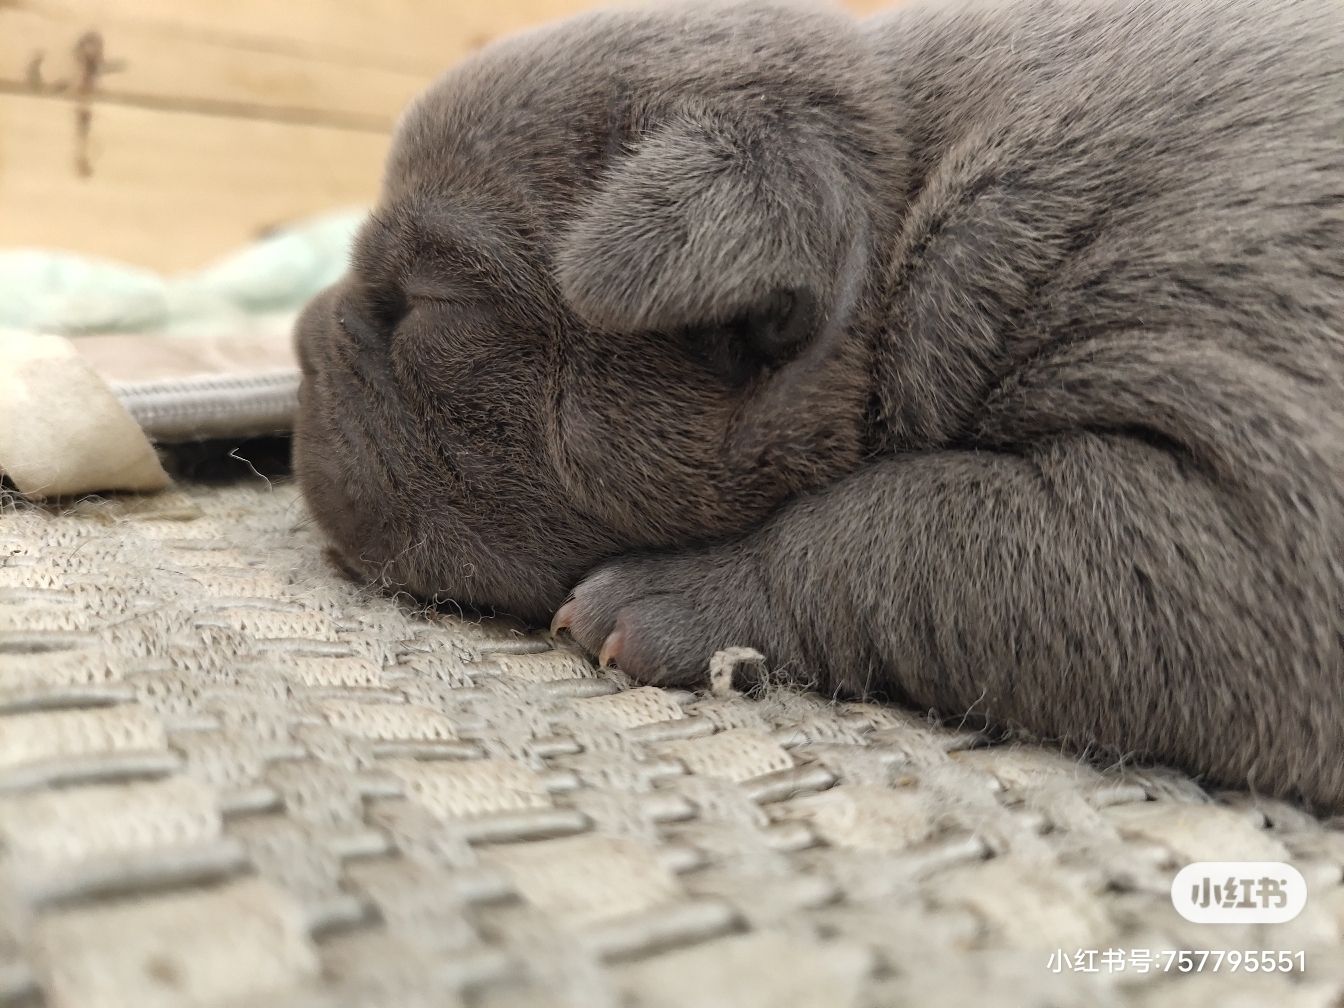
{"x": 169, "y": 190}
{"x": 351, "y": 63}
{"x": 162, "y": 65}
{"x": 422, "y": 35}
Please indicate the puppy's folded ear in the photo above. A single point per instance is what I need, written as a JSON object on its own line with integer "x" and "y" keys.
{"x": 717, "y": 219}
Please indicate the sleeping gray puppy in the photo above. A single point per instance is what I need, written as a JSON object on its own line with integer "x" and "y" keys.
{"x": 982, "y": 357}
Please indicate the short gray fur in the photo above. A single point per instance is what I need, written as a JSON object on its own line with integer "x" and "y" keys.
{"x": 988, "y": 357}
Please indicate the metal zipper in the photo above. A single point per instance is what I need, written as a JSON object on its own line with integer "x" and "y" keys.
{"x": 190, "y": 408}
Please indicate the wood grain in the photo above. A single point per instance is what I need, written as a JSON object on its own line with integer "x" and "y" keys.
{"x": 318, "y": 60}
{"x": 169, "y": 189}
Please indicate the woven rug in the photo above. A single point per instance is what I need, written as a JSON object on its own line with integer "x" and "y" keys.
{"x": 229, "y": 778}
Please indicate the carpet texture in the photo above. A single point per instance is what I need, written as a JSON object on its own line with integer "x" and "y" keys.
{"x": 229, "y": 778}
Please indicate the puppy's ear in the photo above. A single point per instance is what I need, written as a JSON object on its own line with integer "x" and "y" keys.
{"x": 715, "y": 219}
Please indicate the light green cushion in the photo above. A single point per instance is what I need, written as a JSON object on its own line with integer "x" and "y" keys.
{"x": 64, "y": 293}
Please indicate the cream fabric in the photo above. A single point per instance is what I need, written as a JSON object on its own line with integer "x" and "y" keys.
{"x": 77, "y": 415}
{"x": 133, "y": 359}
{"x": 229, "y": 778}
{"x": 62, "y": 431}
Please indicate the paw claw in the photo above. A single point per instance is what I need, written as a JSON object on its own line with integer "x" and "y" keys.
{"x": 564, "y": 616}
{"x": 611, "y": 649}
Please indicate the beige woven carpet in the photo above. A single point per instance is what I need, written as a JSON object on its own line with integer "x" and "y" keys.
{"x": 228, "y": 778}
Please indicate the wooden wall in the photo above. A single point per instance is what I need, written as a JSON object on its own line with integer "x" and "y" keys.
{"x": 166, "y": 132}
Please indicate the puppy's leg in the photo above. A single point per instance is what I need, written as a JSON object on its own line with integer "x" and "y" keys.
{"x": 1093, "y": 587}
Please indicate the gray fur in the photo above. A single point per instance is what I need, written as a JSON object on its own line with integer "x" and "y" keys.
{"x": 987, "y": 357}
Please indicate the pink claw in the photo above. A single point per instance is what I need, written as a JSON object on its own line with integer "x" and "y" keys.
{"x": 611, "y": 649}
{"x": 563, "y": 617}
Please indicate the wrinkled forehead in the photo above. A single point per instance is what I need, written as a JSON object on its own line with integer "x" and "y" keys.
{"x": 514, "y": 120}
{"x": 549, "y": 105}
{"x": 460, "y": 229}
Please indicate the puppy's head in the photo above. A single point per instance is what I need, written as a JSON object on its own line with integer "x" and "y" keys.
{"x": 613, "y": 297}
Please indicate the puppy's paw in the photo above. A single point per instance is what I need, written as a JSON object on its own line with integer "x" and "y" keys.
{"x": 661, "y": 619}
